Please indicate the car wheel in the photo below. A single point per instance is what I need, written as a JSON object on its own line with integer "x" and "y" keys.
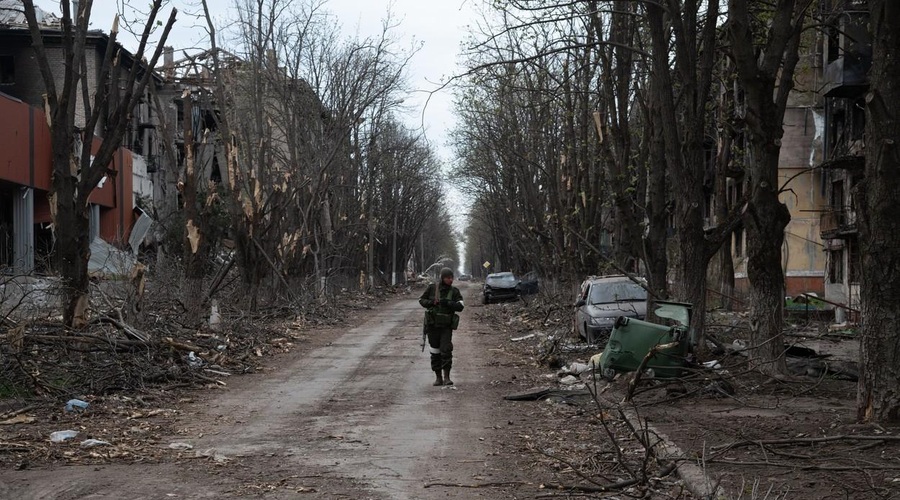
{"x": 486, "y": 300}
{"x": 588, "y": 335}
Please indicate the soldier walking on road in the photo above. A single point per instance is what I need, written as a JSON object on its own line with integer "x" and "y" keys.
{"x": 441, "y": 306}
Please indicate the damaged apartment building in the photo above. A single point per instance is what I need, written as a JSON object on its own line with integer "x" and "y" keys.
{"x": 821, "y": 162}
{"x": 848, "y": 57}
{"x": 148, "y": 165}
{"x": 119, "y": 205}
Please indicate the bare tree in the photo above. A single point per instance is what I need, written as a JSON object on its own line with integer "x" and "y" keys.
{"x": 110, "y": 102}
{"x": 680, "y": 97}
{"x": 765, "y": 43}
{"x": 306, "y": 127}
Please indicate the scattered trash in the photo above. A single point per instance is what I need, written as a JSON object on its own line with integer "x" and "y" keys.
{"x": 72, "y": 404}
{"x": 575, "y": 369}
{"x": 215, "y": 319}
{"x": 595, "y": 361}
{"x": 193, "y": 360}
{"x": 524, "y": 337}
{"x": 532, "y": 394}
{"x": 569, "y": 380}
{"x": 181, "y": 446}
{"x": 90, "y": 443}
{"x": 561, "y": 395}
{"x": 60, "y": 436}
{"x": 213, "y": 454}
{"x": 713, "y": 365}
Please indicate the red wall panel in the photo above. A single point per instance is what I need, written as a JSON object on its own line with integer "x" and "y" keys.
{"x": 14, "y": 163}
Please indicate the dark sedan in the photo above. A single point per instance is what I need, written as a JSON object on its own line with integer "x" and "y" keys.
{"x": 602, "y": 300}
{"x": 500, "y": 286}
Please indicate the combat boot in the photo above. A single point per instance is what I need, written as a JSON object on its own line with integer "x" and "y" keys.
{"x": 437, "y": 378}
{"x": 447, "y": 380}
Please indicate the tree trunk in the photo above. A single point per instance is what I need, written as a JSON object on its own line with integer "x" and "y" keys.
{"x": 71, "y": 224}
{"x": 655, "y": 244}
{"x": 683, "y": 133}
{"x": 766, "y": 219}
{"x": 195, "y": 239}
{"x": 766, "y": 73}
{"x": 724, "y": 260}
{"x": 878, "y": 397}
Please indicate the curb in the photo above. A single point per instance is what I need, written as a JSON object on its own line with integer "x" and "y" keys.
{"x": 694, "y": 477}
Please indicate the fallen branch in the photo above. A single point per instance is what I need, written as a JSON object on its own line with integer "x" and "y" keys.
{"x": 637, "y": 375}
{"x": 87, "y": 338}
{"x": 481, "y": 485}
{"x": 826, "y": 439}
{"x": 13, "y": 413}
{"x": 809, "y": 467}
{"x": 665, "y": 471}
{"x": 182, "y": 346}
{"x": 126, "y": 329}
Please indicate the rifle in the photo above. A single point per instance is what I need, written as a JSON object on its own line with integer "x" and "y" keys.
{"x": 437, "y": 297}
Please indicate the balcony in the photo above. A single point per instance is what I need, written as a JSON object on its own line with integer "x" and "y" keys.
{"x": 837, "y": 224}
{"x": 848, "y": 54}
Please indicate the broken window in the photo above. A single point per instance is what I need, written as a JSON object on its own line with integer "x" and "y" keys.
{"x": 7, "y": 70}
{"x": 858, "y": 119}
{"x": 833, "y": 48}
{"x": 853, "y": 261}
{"x": 836, "y": 266}
{"x": 215, "y": 175}
{"x": 739, "y": 242}
{"x": 837, "y": 201}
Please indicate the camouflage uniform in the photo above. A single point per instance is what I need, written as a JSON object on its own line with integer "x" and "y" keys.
{"x": 440, "y": 321}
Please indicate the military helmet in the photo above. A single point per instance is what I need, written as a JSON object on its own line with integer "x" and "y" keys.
{"x": 446, "y": 272}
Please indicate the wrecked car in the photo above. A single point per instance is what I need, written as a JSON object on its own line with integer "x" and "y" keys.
{"x": 601, "y": 300}
{"x": 499, "y": 287}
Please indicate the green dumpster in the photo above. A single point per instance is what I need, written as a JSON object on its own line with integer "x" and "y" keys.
{"x": 631, "y": 339}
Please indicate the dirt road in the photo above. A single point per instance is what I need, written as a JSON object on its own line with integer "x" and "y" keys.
{"x": 354, "y": 417}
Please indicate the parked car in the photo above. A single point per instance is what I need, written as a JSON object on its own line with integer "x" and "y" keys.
{"x": 528, "y": 285}
{"x": 603, "y": 299}
{"x": 500, "y": 286}
{"x": 465, "y": 277}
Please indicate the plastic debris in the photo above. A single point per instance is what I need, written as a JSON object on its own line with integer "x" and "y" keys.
{"x": 90, "y": 443}
{"x": 60, "y": 436}
{"x": 215, "y": 319}
{"x": 193, "y": 360}
{"x": 594, "y": 363}
{"x": 213, "y": 454}
{"x": 575, "y": 369}
{"x": 72, "y": 404}
{"x": 712, "y": 365}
